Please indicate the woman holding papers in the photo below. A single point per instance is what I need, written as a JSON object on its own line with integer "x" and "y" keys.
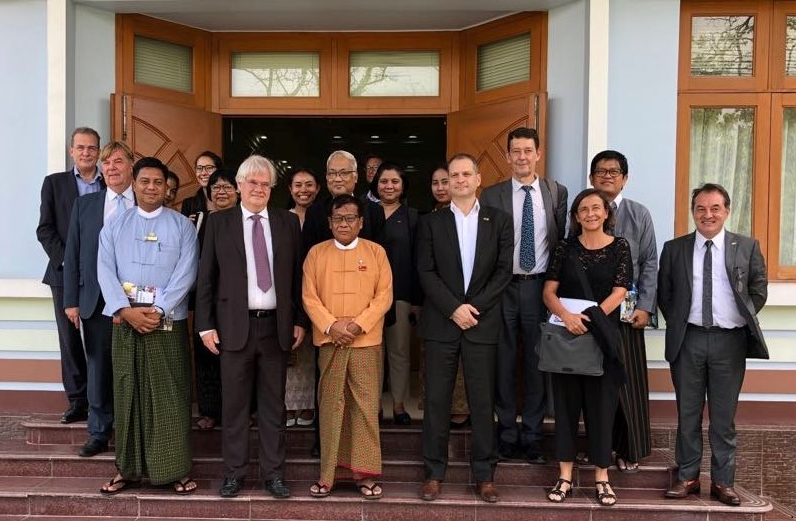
{"x": 606, "y": 262}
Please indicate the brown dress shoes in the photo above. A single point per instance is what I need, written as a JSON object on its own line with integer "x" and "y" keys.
{"x": 682, "y": 489}
{"x": 430, "y": 489}
{"x": 488, "y": 491}
{"x": 726, "y": 495}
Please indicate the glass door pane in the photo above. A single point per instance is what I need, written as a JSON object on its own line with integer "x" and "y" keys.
{"x": 787, "y": 207}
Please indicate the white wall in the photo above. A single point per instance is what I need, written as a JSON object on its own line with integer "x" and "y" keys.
{"x": 24, "y": 118}
{"x": 23, "y": 134}
{"x": 642, "y": 102}
{"x": 567, "y": 67}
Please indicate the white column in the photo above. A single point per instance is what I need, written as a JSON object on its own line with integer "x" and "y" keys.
{"x": 597, "y": 107}
{"x": 57, "y": 62}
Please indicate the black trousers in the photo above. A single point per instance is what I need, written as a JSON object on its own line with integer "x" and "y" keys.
{"x": 74, "y": 372}
{"x": 442, "y": 363}
{"x": 597, "y": 397}
{"x": 523, "y": 311}
{"x": 264, "y": 363}
{"x": 711, "y": 361}
{"x": 98, "y": 333}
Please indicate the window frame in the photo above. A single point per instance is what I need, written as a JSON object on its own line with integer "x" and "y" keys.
{"x": 780, "y": 101}
{"x": 779, "y": 81}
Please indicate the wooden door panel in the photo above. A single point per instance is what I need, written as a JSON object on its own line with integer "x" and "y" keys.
{"x": 174, "y": 134}
{"x": 482, "y": 131}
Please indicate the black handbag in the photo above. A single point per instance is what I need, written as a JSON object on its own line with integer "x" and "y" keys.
{"x": 562, "y": 352}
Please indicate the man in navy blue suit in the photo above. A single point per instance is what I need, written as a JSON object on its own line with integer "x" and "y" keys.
{"x": 58, "y": 192}
{"x": 82, "y": 295}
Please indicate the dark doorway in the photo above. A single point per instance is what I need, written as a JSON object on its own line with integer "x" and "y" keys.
{"x": 416, "y": 143}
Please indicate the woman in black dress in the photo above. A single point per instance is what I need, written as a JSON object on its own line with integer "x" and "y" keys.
{"x": 608, "y": 267}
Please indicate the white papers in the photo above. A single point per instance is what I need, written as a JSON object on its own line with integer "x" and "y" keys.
{"x": 573, "y": 305}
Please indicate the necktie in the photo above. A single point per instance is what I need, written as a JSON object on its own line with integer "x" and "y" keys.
{"x": 527, "y": 245}
{"x": 261, "y": 264}
{"x": 707, "y": 286}
{"x": 120, "y": 208}
{"x": 612, "y": 224}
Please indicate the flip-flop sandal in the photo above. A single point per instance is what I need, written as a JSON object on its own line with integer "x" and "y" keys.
{"x": 628, "y": 467}
{"x": 123, "y": 483}
{"x": 205, "y": 423}
{"x": 318, "y": 490}
{"x": 182, "y": 487}
{"x": 369, "y": 492}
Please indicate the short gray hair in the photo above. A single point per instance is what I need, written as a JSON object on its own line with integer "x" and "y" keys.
{"x": 343, "y": 153}
{"x": 255, "y": 164}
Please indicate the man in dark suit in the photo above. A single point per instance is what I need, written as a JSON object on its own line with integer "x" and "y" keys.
{"x": 82, "y": 295}
{"x": 539, "y": 210}
{"x": 251, "y": 260}
{"x": 711, "y": 285}
{"x": 58, "y": 193}
{"x": 464, "y": 263}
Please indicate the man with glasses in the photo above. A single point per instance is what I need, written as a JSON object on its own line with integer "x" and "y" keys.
{"x": 538, "y": 208}
{"x": 347, "y": 289}
{"x": 372, "y": 164}
{"x": 83, "y": 300}
{"x": 58, "y": 193}
{"x": 251, "y": 260}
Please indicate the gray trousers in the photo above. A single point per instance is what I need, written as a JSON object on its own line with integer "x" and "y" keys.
{"x": 713, "y": 362}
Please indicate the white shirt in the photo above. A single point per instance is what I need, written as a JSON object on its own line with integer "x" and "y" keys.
{"x": 258, "y": 299}
{"x": 541, "y": 250}
{"x": 617, "y": 200}
{"x": 109, "y": 211}
{"x": 467, "y": 233}
{"x": 725, "y": 310}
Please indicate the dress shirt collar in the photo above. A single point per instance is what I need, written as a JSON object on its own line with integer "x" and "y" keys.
{"x": 110, "y": 195}
{"x": 617, "y": 200}
{"x": 718, "y": 241}
{"x": 351, "y": 246}
{"x": 149, "y": 215}
{"x": 247, "y": 213}
{"x": 516, "y": 186}
{"x": 456, "y": 210}
{"x": 97, "y": 175}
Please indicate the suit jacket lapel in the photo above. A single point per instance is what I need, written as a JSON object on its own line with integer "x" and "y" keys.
{"x": 688, "y": 260}
{"x": 237, "y": 232}
{"x": 547, "y": 203}
{"x": 506, "y": 199}
{"x": 730, "y": 251}
{"x": 484, "y": 224}
{"x": 449, "y": 225}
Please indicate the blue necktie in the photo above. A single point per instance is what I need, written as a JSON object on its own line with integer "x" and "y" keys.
{"x": 707, "y": 286}
{"x": 527, "y": 244}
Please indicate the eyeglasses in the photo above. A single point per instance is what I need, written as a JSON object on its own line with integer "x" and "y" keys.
{"x": 222, "y": 188}
{"x": 265, "y": 185}
{"x": 350, "y": 218}
{"x": 206, "y": 168}
{"x": 84, "y": 148}
{"x": 342, "y": 174}
{"x": 602, "y": 172}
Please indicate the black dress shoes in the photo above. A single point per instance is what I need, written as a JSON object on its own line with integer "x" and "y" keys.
{"x": 277, "y": 488}
{"x": 231, "y": 487}
{"x": 535, "y": 456}
{"x": 508, "y": 451}
{"x": 76, "y": 412}
{"x": 92, "y": 447}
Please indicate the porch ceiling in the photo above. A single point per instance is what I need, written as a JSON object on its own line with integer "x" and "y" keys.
{"x": 325, "y": 15}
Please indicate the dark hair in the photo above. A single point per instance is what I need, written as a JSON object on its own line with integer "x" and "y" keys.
{"x": 369, "y": 157}
{"x": 84, "y": 130}
{"x": 344, "y": 199}
{"x": 374, "y": 185}
{"x": 213, "y": 156}
{"x": 525, "y": 133}
{"x": 607, "y": 155}
{"x": 575, "y": 228}
{"x": 300, "y": 170}
{"x": 223, "y": 173}
{"x": 174, "y": 177}
{"x": 708, "y": 188}
{"x": 150, "y": 162}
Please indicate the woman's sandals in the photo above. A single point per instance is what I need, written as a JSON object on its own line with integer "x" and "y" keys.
{"x": 557, "y": 494}
{"x": 318, "y": 490}
{"x": 606, "y": 496}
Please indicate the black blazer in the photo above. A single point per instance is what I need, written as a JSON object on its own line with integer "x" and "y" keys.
{"x": 58, "y": 193}
{"x": 81, "y": 287}
{"x": 316, "y": 223}
{"x": 746, "y": 271}
{"x": 439, "y": 266}
{"x": 221, "y": 290}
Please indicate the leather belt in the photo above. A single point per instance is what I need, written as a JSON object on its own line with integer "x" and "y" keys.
{"x": 262, "y": 313}
{"x": 713, "y": 329}
{"x": 522, "y": 276}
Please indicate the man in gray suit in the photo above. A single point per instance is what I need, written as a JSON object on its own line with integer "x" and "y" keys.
{"x": 538, "y": 208}
{"x": 82, "y": 295}
{"x": 711, "y": 285}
